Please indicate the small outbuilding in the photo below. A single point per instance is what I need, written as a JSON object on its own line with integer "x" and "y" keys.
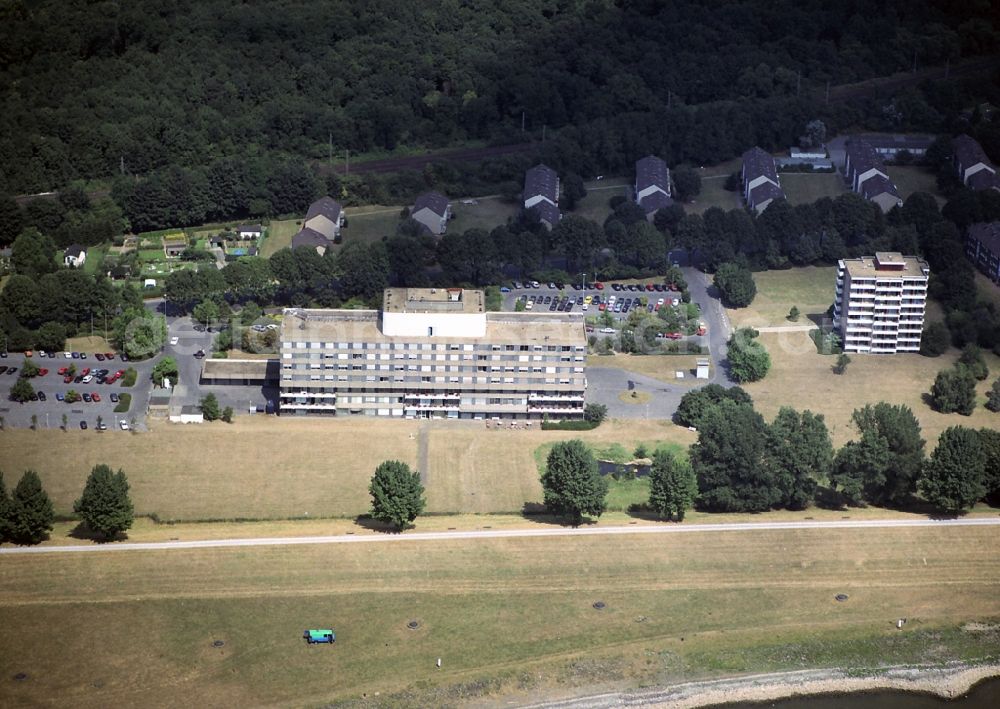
{"x": 188, "y": 413}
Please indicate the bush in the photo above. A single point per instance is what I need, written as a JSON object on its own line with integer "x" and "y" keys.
{"x": 128, "y": 379}
{"x": 935, "y": 340}
{"x": 736, "y": 285}
{"x": 575, "y": 425}
{"x": 595, "y": 413}
{"x": 748, "y": 360}
{"x": 124, "y": 402}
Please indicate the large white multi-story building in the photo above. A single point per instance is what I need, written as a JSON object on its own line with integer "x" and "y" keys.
{"x": 433, "y": 353}
{"x": 879, "y": 305}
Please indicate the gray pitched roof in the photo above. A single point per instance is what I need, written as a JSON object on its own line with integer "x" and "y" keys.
{"x": 758, "y": 162}
{"x": 862, "y": 156}
{"x": 984, "y": 180}
{"x": 310, "y": 237}
{"x": 548, "y": 213}
{"x": 74, "y": 250}
{"x": 541, "y": 180}
{"x": 249, "y": 227}
{"x": 326, "y": 206}
{"x": 654, "y": 202}
{"x": 874, "y": 186}
{"x": 434, "y": 201}
{"x": 651, "y": 171}
{"x": 765, "y": 191}
{"x": 968, "y": 151}
{"x": 987, "y": 234}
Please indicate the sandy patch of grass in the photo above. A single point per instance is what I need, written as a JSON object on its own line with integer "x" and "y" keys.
{"x": 634, "y": 397}
{"x": 802, "y": 379}
{"x": 88, "y": 344}
{"x": 811, "y": 289}
{"x": 502, "y": 614}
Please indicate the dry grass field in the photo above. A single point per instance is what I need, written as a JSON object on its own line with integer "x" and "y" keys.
{"x": 810, "y": 289}
{"x": 269, "y": 468}
{"x": 279, "y": 236}
{"x": 511, "y": 619}
{"x": 802, "y": 379}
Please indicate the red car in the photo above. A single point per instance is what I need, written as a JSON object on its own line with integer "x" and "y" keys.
{"x": 701, "y": 331}
{"x": 67, "y": 379}
{"x": 62, "y": 371}
{"x": 674, "y": 335}
{"x": 602, "y": 307}
{"x": 109, "y": 355}
{"x": 95, "y": 396}
{"x": 119, "y": 374}
{"x": 650, "y": 287}
{"x": 599, "y": 286}
{"x": 85, "y": 372}
{"x": 42, "y": 372}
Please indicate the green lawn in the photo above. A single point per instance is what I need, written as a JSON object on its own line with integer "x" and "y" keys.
{"x": 912, "y": 179}
{"x": 487, "y": 213}
{"x": 368, "y": 224}
{"x": 509, "y": 618}
{"x": 279, "y": 236}
{"x": 806, "y": 188}
{"x": 714, "y": 194}
{"x": 95, "y": 258}
{"x": 595, "y": 205}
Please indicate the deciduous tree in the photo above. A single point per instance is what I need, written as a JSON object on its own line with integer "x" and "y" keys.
{"x": 952, "y": 477}
{"x": 105, "y": 505}
{"x": 210, "y": 407}
{"x": 31, "y": 513}
{"x": 673, "y": 486}
{"x": 801, "y": 454}
{"x": 571, "y": 483}
{"x": 748, "y": 360}
{"x": 736, "y": 285}
{"x": 954, "y": 390}
{"x": 397, "y": 494}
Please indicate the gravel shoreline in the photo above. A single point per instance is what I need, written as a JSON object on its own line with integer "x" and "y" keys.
{"x": 947, "y": 682}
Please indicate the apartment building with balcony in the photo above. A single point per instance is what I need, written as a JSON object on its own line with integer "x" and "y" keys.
{"x": 433, "y": 353}
{"x": 880, "y": 301}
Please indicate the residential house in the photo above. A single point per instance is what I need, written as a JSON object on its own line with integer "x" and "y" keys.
{"x": 890, "y": 145}
{"x": 982, "y": 245}
{"x": 249, "y": 231}
{"x": 173, "y": 247}
{"x": 760, "y": 179}
{"x": 326, "y": 217}
{"x": 432, "y": 210}
{"x": 652, "y": 185}
{"x": 867, "y": 175}
{"x": 879, "y": 303}
{"x": 974, "y": 169}
{"x": 313, "y": 239}
{"x": 74, "y": 256}
{"x": 541, "y": 193}
{"x": 439, "y": 354}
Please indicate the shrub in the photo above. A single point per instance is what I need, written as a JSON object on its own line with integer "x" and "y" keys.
{"x": 124, "y": 402}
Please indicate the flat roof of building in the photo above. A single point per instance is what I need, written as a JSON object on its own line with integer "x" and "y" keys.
{"x": 433, "y": 300}
{"x": 316, "y": 325}
{"x": 900, "y": 266}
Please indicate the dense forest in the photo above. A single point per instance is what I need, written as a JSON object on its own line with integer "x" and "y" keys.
{"x": 98, "y": 89}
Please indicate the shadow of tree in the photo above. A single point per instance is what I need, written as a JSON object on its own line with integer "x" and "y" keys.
{"x": 368, "y": 522}
{"x": 536, "y": 512}
{"x": 82, "y": 531}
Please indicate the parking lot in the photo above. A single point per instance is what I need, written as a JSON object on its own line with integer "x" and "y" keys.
{"x": 51, "y": 389}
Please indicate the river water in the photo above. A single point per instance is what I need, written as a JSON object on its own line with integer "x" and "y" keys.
{"x": 985, "y": 695}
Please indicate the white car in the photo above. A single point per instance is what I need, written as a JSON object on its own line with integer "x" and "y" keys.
{"x": 88, "y": 379}
{"x": 608, "y": 330}
{"x": 174, "y": 340}
{"x": 124, "y": 425}
{"x": 68, "y": 355}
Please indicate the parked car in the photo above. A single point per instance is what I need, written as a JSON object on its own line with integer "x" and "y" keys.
{"x": 199, "y": 354}
{"x": 123, "y": 357}
{"x": 599, "y": 286}
{"x": 87, "y": 379}
{"x": 86, "y": 397}
{"x": 99, "y": 357}
{"x": 11, "y": 370}
{"x": 42, "y": 372}
{"x": 124, "y": 424}
{"x": 3, "y": 369}
{"x": 83, "y": 355}
{"x": 174, "y": 340}
{"x": 41, "y": 396}
{"x": 96, "y": 397}
{"x": 59, "y": 396}
{"x": 75, "y": 355}
{"x": 34, "y": 396}
{"x": 28, "y": 353}
{"x": 83, "y": 425}
{"x": 114, "y": 398}
{"x": 109, "y": 355}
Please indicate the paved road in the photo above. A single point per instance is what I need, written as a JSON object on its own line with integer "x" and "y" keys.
{"x": 605, "y": 384}
{"x": 510, "y": 534}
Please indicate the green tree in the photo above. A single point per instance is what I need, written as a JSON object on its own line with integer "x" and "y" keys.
{"x": 210, "y": 407}
{"x": 972, "y": 358}
{"x": 72, "y": 396}
{"x": 22, "y": 390}
{"x": 206, "y": 312}
{"x": 993, "y": 397}
{"x": 5, "y": 511}
{"x": 571, "y": 483}
{"x": 11, "y": 219}
{"x": 736, "y": 285}
{"x": 687, "y": 183}
{"x": 31, "y": 513}
{"x": 935, "y": 340}
{"x": 899, "y": 430}
{"x": 801, "y": 454}
{"x": 397, "y": 494}
{"x": 952, "y": 478}
{"x": 34, "y": 254}
{"x": 989, "y": 440}
{"x": 250, "y": 313}
{"x": 105, "y": 505}
{"x": 51, "y": 336}
{"x": 842, "y": 361}
{"x": 227, "y": 414}
{"x": 166, "y": 368}
{"x": 859, "y": 468}
{"x": 794, "y": 313}
{"x": 65, "y": 422}
{"x": 673, "y": 486}
{"x": 29, "y": 369}
{"x": 730, "y": 460}
{"x": 748, "y": 360}
{"x": 696, "y": 402}
{"x": 595, "y": 413}
{"x": 954, "y": 390}
{"x": 138, "y": 332}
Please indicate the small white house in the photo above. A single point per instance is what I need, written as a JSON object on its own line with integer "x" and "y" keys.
{"x": 75, "y": 256}
{"x": 187, "y": 414}
{"x": 249, "y": 231}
